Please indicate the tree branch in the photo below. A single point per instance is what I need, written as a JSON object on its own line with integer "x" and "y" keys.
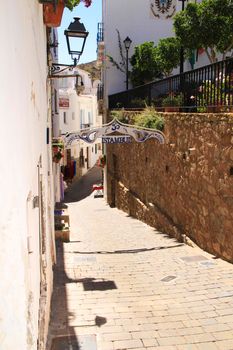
{"x": 208, "y": 55}
{"x": 115, "y": 64}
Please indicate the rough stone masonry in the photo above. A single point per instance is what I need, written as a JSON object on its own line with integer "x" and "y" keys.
{"x": 184, "y": 187}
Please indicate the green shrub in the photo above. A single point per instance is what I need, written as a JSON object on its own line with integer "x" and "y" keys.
{"x": 138, "y": 103}
{"x": 172, "y": 100}
{"x": 120, "y": 115}
{"x": 150, "y": 119}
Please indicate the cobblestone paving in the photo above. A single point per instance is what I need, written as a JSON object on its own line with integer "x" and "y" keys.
{"x": 134, "y": 288}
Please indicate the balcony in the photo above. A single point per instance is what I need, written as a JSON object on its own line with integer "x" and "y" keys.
{"x": 100, "y": 92}
{"x": 100, "y": 33}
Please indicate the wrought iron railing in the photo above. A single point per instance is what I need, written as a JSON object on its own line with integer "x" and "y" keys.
{"x": 100, "y": 32}
{"x": 209, "y": 88}
{"x": 100, "y": 92}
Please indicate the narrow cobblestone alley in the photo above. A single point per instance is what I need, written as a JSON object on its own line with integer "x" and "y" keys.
{"x": 120, "y": 284}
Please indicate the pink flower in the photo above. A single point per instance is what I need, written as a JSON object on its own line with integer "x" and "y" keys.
{"x": 87, "y": 2}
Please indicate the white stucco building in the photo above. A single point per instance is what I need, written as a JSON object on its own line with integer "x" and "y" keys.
{"x": 138, "y": 20}
{"x": 79, "y": 112}
{"x": 27, "y": 250}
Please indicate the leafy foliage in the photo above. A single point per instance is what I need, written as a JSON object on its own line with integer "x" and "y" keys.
{"x": 208, "y": 24}
{"x": 138, "y": 102}
{"x": 149, "y": 118}
{"x": 70, "y": 4}
{"x": 144, "y": 65}
{"x": 172, "y": 100}
{"x": 167, "y": 54}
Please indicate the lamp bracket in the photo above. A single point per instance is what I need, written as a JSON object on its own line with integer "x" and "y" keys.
{"x": 57, "y": 68}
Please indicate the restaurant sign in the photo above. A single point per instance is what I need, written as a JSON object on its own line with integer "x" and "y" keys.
{"x": 116, "y": 139}
{"x": 64, "y": 102}
{"x": 115, "y": 132}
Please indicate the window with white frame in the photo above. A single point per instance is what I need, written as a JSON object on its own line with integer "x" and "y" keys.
{"x": 64, "y": 117}
{"x": 82, "y": 116}
{"x": 90, "y": 118}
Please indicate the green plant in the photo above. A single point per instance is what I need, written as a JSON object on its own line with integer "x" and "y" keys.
{"x": 121, "y": 66}
{"x": 149, "y": 118}
{"x": 207, "y": 24}
{"x": 145, "y": 67}
{"x": 168, "y": 54}
{"x": 118, "y": 115}
{"x": 123, "y": 116}
{"x": 201, "y": 109}
{"x": 57, "y": 156}
{"x": 138, "y": 103}
{"x": 70, "y": 4}
{"x": 172, "y": 100}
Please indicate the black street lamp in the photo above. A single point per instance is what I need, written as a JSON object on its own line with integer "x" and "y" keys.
{"x": 127, "y": 43}
{"x": 182, "y": 49}
{"x": 76, "y": 36}
{"x": 76, "y": 30}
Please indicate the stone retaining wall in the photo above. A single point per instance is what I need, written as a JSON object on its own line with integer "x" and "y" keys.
{"x": 184, "y": 187}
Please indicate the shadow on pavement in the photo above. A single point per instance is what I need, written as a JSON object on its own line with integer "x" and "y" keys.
{"x": 130, "y": 251}
{"x": 62, "y": 336}
{"x": 89, "y": 284}
{"x": 82, "y": 187}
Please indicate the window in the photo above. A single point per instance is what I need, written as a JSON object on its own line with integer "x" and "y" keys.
{"x": 55, "y": 101}
{"x": 95, "y": 148}
{"x": 81, "y": 159}
{"x": 82, "y": 115}
{"x": 64, "y": 118}
{"x": 73, "y": 115}
{"x": 90, "y": 118}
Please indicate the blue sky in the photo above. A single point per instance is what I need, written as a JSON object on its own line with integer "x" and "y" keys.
{"x": 89, "y": 17}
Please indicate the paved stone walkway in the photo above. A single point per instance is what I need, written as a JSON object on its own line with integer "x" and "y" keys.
{"x": 135, "y": 288}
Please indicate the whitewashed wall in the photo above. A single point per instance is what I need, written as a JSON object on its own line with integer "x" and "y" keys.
{"x": 24, "y": 120}
{"x": 132, "y": 18}
{"x": 87, "y": 102}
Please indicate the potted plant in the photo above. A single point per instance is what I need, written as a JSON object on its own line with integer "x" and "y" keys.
{"x": 53, "y": 14}
{"x": 70, "y": 4}
{"x": 57, "y": 157}
{"x": 57, "y": 153}
{"x": 172, "y": 102}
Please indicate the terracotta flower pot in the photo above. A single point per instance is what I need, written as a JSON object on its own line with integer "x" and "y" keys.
{"x": 172, "y": 109}
{"x": 52, "y": 18}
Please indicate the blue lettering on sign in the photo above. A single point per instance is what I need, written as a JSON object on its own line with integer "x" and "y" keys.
{"x": 116, "y": 139}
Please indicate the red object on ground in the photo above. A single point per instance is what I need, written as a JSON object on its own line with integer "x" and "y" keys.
{"x": 97, "y": 187}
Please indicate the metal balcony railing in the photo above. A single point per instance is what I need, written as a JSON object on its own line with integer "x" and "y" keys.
{"x": 100, "y": 32}
{"x": 206, "y": 89}
{"x": 100, "y": 92}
